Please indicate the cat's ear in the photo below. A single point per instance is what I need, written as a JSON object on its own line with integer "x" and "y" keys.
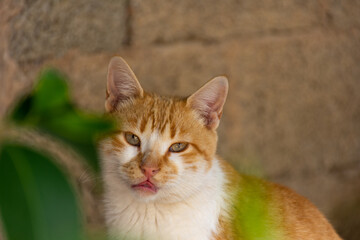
{"x": 209, "y": 100}
{"x": 121, "y": 84}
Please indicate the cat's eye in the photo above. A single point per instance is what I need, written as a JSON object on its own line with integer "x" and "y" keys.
{"x": 178, "y": 147}
{"x": 132, "y": 139}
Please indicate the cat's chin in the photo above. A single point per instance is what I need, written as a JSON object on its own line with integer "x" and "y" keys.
{"x": 144, "y": 194}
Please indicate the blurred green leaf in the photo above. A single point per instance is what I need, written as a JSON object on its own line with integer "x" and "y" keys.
{"x": 255, "y": 213}
{"x": 48, "y": 108}
{"x": 36, "y": 201}
{"x": 51, "y": 91}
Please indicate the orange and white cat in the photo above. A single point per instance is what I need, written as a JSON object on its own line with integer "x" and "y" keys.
{"x": 163, "y": 180}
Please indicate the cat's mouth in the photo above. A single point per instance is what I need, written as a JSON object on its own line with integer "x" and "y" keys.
{"x": 146, "y": 186}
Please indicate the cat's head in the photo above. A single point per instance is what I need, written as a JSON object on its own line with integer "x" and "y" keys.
{"x": 165, "y": 146}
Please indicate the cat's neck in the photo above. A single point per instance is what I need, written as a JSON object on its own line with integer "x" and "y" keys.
{"x": 126, "y": 214}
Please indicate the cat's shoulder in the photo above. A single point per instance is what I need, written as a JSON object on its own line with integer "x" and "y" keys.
{"x": 283, "y": 211}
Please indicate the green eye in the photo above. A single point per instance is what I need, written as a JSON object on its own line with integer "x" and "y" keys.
{"x": 178, "y": 147}
{"x": 132, "y": 139}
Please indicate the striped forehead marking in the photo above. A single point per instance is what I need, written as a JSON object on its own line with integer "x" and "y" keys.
{"x": 159, "y": 115}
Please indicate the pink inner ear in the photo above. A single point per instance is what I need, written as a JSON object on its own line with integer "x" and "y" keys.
{"x": 209, "y": 100}
{"x": 121, "y": 83}
{"x": 211, "y": 112}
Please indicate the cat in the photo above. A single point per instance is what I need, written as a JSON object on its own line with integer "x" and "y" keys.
{"x": 163, "y": 180}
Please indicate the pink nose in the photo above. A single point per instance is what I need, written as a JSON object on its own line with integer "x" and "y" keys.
{"x": 149, "y": 171}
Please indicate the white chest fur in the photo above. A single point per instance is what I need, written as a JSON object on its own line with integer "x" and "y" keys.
{"x": 194, "y": 218}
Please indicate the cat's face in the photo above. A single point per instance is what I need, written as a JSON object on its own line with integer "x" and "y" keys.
{"x": 165, "y": 147}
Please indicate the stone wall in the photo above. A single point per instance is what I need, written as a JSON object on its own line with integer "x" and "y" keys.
{"x": 293, "y": 112}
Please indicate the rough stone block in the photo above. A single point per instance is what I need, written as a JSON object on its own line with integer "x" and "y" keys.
{"x": 169, "y": 21}
{"x": 342, "y": 14}
{"x": 49, "y": 28}
{"x": 294, "y": 105}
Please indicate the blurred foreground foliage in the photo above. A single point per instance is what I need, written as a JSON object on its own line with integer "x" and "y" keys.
{"x": 37, "y": 201}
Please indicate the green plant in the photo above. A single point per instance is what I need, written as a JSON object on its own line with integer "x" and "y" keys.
{"x": 37, "y": 202}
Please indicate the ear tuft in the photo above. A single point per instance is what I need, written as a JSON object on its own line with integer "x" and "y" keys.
{"x": 209, "y": 100}
{"x": 121, "y": 84}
